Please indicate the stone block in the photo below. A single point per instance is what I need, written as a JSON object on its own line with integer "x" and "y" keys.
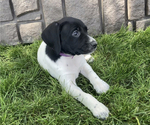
{"x": 114, "y": 15}
{"x": 52, "y": 10}
{"x": 142, "y": 24}
{"x": 24, "y": 6}
{"x": 148, "y": 7}
{"x": 87, "y": 11}
{"x": 30, "y": 16}
{"x": 30, "y": 32}
{"x": 136, "y": 9}
{"x": 5, "y": 11}
{"x": 8, "y": 34}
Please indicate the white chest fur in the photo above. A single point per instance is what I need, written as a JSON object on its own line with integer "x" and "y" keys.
{"x": 70, "y": 65}
{"x": 63, "y": 66}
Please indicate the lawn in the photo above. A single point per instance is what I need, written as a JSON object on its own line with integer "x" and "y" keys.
{"x": 29, "y": 95}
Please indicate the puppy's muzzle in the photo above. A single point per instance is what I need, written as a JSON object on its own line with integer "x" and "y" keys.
{"x": 94, "y": 44}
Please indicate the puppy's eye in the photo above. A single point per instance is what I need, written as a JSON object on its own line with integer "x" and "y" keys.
{"x": 76, "y": 33}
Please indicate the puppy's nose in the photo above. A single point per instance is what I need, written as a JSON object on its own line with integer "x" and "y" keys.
{"x": 94, "y": 44}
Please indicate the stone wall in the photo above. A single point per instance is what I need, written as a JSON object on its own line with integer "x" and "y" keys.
{"x": 22, "y": 21}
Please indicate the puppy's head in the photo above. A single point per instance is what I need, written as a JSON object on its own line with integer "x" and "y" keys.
{"x": 69, "y": 35}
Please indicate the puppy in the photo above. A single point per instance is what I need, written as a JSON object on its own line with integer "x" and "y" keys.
{"x": 65, "y": 42}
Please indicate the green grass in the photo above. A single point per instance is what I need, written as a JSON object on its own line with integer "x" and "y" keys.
{"x": 29, "y": 95}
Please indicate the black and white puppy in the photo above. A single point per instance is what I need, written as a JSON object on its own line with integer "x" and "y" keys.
{"x": 65, "y": 42}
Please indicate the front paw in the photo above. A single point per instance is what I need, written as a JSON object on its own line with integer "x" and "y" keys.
{"x": 100, "y": 111}
{"x": 101, "y": 87}
{"x": 89, "y": 58}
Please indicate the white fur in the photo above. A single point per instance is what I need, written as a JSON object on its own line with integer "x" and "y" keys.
{"x": 89, "y": 58}
{"x": 91, "y": 39}
{"x": 66, "y": 70}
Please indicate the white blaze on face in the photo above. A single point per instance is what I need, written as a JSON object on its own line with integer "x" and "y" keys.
{"x": 91, "y": 39}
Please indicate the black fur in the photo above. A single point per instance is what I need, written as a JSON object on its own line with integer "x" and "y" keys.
{"x": 52, "y": 54}
{"x": 68, "y": 35}
{"x": 51, "y": 37}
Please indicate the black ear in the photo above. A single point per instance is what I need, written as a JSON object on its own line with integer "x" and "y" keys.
{"x": 51, "y": 37}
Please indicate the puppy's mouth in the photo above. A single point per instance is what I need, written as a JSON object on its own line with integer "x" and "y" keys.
{"x": 88, "y": 48}
{"x": 92, "y": 45}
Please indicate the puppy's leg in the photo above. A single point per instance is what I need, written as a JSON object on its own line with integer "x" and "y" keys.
{"x": 99, "y": 85}
{"x": 89, "y": 58}
{"x": 98, "y": 109}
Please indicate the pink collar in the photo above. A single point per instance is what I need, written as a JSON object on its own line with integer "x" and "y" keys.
{"x": 66, "y": 55}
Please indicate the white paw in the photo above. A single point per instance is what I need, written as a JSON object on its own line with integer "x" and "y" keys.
{"x": 89, "y": 58}
{"x": 101, "y": 87}
{"x": 100, "y": 111}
